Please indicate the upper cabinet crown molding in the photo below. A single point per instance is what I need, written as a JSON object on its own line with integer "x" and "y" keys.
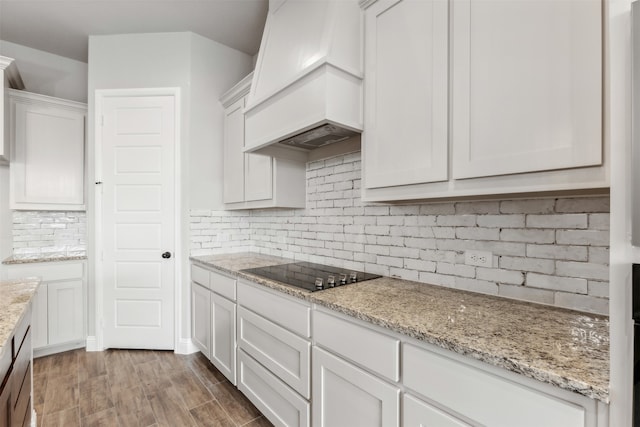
{"x": 47, "y": 152}
{"x": 237, "y": 92}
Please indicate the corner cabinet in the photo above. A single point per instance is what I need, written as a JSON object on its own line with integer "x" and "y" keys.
{"x": 518, "y": 110}
{"x": 47, "y": 152}
{"x": 253, "y": 181}
{"x": 58, "y": 305}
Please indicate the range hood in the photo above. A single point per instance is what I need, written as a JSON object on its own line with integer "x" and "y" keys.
{"x": 306, "y": 91}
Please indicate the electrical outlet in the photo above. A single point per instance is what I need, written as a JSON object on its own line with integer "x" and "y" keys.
{"x": 478, "y": 258}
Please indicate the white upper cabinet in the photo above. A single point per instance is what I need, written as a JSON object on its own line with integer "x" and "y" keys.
{"x": 478, "y": 98}
{"x": 406, "y": 92}
{"x": 9, "y": 77}
{"x": 253, "y": 181}
{"x": 527, "y": 86}
{"x": 47, "y": 152}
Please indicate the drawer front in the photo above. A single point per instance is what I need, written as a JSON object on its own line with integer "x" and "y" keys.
{"x": 287, "y": 313}
{"x": 47, "y": 271}
{"x": 274, "y": 399}
{"x": 6, "y": 357}
{"x": 417, "y": 413}
{"x": 473, "y": 393}
{"x": 21, "y": 376}
{"x": 366, "y": 347}
{"x": 283, "y": 353}
{"x": 223, "y": 285}
{"x": 21, "y": 331}
{"x": 200, "y": 275}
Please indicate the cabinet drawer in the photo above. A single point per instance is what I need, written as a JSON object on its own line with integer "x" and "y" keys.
{"x": 417, "y": 413}
{"x": 371, "y": 349}
{"x": 473, "y": 393}
{"x": 283, "y": 353}
{"x": 223, "y": 285}
{"x": 21, "y": 375}
{"x": 47, "y": 271}
{"x": 287, "y": 313}
{"x": 21, "y": 331}
{"x": 200, "y": 275}
{"x": 273, "y": 398}
{"x": 6, "y": 357}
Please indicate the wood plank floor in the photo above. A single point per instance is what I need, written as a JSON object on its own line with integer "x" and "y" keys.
{"x": 136, "y": 388}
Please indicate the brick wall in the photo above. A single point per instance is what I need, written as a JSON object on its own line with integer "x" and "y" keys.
{"x": 553, "y": 251}
{"x": 44, "y": 231}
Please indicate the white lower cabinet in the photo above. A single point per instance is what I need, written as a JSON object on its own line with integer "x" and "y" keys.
{"x": 274, "y": 353}
{"x": 417, "y": 413}
{"x": 213, "y": 318}
{"x": 223, "y": 335}
{"x": 201, "y": 318}
{"x": 58, "y": 306}
{"x": 344, "y": 395}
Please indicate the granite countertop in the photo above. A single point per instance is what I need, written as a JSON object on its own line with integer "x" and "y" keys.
{"x": 566, "y": 348}
{"x": 45, "y": 257}
{"x": 14, "y": 299}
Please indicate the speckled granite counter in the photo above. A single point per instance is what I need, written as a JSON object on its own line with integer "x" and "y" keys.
{"x": 14, "y": 299}
{"x": 568, "y": 349}
{"x": 47, "y": 257}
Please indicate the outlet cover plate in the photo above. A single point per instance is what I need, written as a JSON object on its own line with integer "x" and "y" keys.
{"x": 478, "y": 258}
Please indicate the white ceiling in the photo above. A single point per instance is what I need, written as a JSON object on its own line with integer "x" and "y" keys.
{"x": 62, "y": 27}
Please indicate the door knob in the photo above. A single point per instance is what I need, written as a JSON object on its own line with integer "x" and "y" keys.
{"x": 166, "y": 255}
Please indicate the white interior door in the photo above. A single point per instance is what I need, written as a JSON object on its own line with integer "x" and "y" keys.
{"x": 138, "y": 221}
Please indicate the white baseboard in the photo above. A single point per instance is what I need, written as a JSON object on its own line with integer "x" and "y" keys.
{"x": 185, "y": 346}
{"x": 58, "y": 348}
{"x": 92, "y": 344}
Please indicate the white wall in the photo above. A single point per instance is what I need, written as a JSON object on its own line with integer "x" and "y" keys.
{"x": 203, "y": 70}
{"x": 5, "y": 215}
{"x": 48, "y": 74}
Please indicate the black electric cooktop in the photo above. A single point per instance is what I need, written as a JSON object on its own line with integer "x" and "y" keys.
{"x": 310, "y": 276}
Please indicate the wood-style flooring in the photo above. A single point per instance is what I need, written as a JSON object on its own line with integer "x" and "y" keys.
{"x": 136, "y": 388}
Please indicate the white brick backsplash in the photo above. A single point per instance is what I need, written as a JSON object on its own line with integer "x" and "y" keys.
{"x": 569, "y": 253}
{"x": 546, "y": 250}
{"x": 582, "y": 269}
{"x": 526, "y": 235}
{"x": 45, "y": 231}
{"x": 501, "y": 276}
{"x": 557, "y": 221}
{"x": 501, "y": 221}
{"x": 541, "y": 296}
{"x": 537, "y": 265}
{"x": 535, "y": 206}
{"x": 566, "y": 284}
{"x": 582, "y": 237}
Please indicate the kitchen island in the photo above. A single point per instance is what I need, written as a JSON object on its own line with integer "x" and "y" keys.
{"x": 562, "y": 348}
{"x": 15, "y": 350}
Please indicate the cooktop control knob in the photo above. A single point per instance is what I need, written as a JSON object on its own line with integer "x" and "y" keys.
{"x": 353, "y": 277}
{"x": 343, "y": 279}
{"x": 331, "y": 281}
{"x": 319, "y": 286}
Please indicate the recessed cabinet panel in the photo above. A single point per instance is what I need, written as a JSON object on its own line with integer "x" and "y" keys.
{"x": 405, "y": 140}
{"x": 65, "y": 311}
{"x": 201, "y": 318}
{"x": 417, "y": 413}
{"x": 527, "y": 86}
{"x": 223, "y": 342}
{"x": 234, "y": 158}
{"x": 47, "y": 153}
{"x": 258, "y": 177}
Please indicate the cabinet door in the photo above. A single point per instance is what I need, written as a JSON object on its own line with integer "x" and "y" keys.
{"x": 65, "y": 311}
{"x": 233, "y": 155}
{"x": 48, "y": 160}
{"x": 527, "y": 86}
{"x": 5, "y": 406}
{"x": 223, "y": 327}
{"x": 39, "y": 319}
{"x": 406, "y": 57}
{"x": 416, "y": 413}
{"x": 344, "y": 395}
{"x": 201, "y": 318}
{"x": 258, "y": 177}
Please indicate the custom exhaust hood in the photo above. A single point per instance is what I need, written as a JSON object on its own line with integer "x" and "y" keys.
{"x": 306, "y": 91}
